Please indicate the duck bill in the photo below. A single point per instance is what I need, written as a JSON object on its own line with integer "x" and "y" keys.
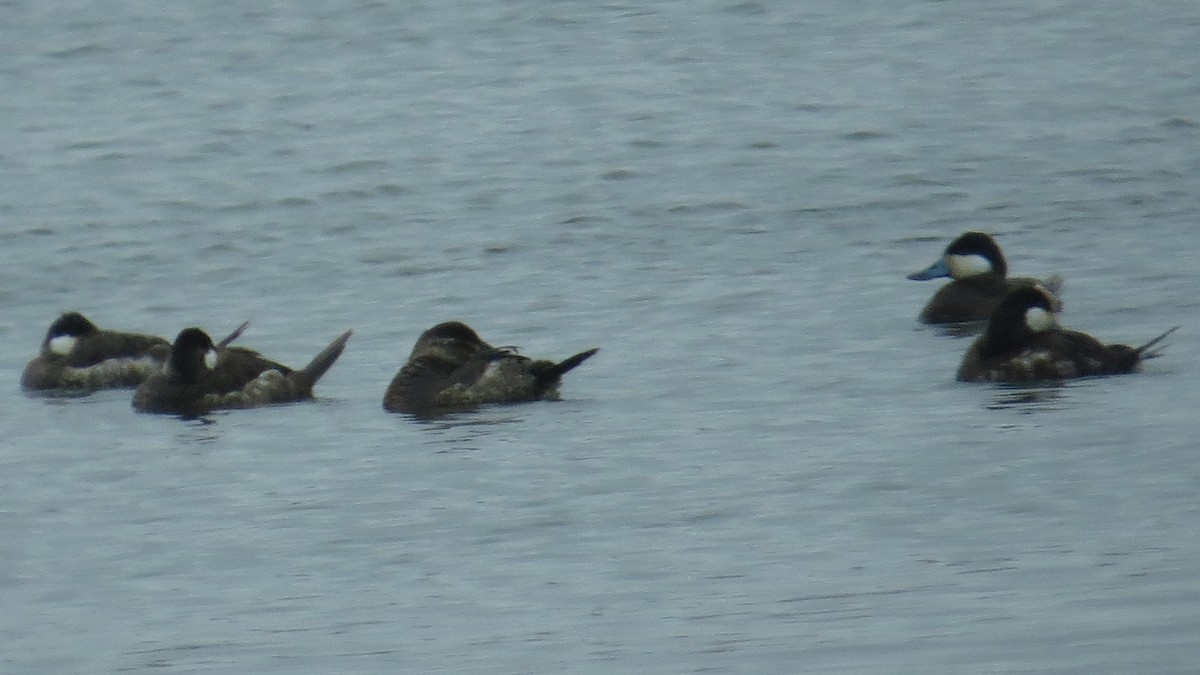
{"x": 935, "y": 271}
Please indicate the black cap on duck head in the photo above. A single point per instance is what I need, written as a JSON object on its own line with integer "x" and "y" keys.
{"x": 66, "y": 329}
{"x": 976, "y": 245}
{"x": 971, "y": 254}
{"x": 453, "y": 341}
{"x": 72, "y": 323}
{"x": 189, "y": 354}
{"x": 1020, "y": 315}
{"x": 452, "y": 330}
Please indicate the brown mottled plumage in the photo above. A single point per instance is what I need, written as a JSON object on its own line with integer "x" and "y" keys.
{"x": 240, "y": 378}
{"x": 452, "y": 368}
{"x": 1023, "y": 344}
{"x": 76, "y": 355}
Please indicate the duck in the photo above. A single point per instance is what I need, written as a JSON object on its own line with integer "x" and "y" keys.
{"x": 980, "y": 279}
{"x": 1023, "y": 343}
{"x": 199, "y": 377}
{"x": 452, "y": 369}
{"x": 79, "y": 357}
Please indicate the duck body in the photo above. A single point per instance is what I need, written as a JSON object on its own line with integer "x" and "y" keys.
{"x": 200, "y": 377}
{"x": 973, "y": 299}
{"x": 980, "y": 280}
{"x": 1024, "y": 344}
{"x": 78, "y": 356}
{"x": 451, "y": 368}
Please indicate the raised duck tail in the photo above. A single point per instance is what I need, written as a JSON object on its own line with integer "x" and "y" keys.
{"x": 237, "y": 332}
{"x": 321, "y": 362}
{"x": 1147, "y": 350}
{"x": 557, "y": 370}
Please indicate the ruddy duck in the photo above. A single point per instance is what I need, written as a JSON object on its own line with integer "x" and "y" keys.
{"x": 452, "y": 368}
{"x": 1023, "y": 343}
{"x": 76, "y": 355}
{"x": 979, "y": 274}
{"x": 199, "y": 377}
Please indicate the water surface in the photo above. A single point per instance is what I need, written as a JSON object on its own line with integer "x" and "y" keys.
{"x": 768, "y": 468}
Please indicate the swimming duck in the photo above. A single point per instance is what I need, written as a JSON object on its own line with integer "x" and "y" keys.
{"x": 980, "y": 280}
{"x": 199, "y": 377}
{"x": 452, "y": 368}
{"x": 1023, "y": 343}
{"x": 78, "y": 356}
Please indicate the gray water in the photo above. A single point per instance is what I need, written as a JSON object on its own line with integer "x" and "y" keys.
{"x": 768, "y": 468}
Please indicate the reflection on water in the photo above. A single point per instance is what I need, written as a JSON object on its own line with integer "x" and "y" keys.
{"x": 459, "y": 421}
{"x": 58, "y": 396}
{"x": 1029, "y": 399}
{"x": 195, "y": 430}
{"x": 460, "y": 432}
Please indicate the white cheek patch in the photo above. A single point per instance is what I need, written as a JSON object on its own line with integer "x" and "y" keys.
{"x": 210, "y": 359}
{"x": 62, "y": 344}
{"x": 966, "y": 266}
{"x": 1038, "y": 319}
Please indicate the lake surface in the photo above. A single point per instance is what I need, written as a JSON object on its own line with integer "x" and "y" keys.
{"x": 768, "y": 468}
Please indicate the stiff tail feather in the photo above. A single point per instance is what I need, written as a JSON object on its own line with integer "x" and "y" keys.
{"x": 559, "y": 369}
{"x": 1146, "y": 351}
{"x": 321, "y": 362}
{"x": 237, "y": 332}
